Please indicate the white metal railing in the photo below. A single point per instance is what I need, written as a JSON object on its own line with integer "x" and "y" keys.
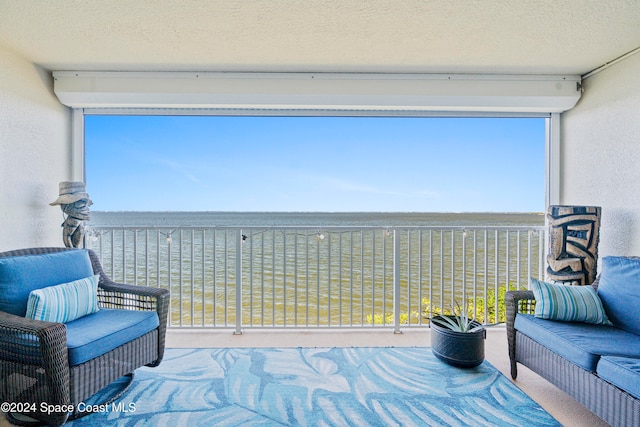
{"x": 309, "y": 277}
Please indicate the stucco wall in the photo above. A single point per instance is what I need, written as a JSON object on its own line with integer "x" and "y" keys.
{"x": 600, "y": 155}
{"x": 35, "y": 155}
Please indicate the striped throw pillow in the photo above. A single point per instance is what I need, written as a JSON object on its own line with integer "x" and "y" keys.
{"x": 64, "y": 303}
{"x": 567, "y": 303}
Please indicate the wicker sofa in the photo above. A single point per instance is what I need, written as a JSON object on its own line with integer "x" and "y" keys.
{"x": 48, "y": 368}
{"x": 597, "y": 364}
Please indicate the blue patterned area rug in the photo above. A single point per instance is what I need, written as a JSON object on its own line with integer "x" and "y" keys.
{"x": 317, "y": 387}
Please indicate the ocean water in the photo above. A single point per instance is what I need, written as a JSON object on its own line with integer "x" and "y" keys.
{"x": 305, "y": 219}
{"x": 324, "y": 277}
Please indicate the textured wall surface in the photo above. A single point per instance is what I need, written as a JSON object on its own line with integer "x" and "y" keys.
{"x": 34, "y": 155}
{"x": 600, "y": 155}
{"x": 441, "y": 36}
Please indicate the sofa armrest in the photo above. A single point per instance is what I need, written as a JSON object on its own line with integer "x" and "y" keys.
{"x": 516, "y": 302}
{"x": 519, "y": 302}
{"x": 38, "y": 350}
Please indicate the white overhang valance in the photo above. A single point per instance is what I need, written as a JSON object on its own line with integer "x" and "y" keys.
{"x": 319, "y": 91}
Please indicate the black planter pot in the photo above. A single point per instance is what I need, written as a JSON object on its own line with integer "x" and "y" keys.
{"x": 459, "y": 349}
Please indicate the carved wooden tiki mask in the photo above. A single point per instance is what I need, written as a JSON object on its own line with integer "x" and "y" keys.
{"x": 573, "y": 243}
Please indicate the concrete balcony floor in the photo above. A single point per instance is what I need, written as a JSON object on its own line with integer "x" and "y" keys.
{"x": 561, "y": 406}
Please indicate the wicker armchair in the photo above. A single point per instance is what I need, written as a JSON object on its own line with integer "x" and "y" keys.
{"x": 34, "y": 365}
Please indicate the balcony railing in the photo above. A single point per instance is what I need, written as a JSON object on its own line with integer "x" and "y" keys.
{"x": 331, "y": 277}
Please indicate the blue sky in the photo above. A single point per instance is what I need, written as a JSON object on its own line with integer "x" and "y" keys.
{"x": 315, "y": 164}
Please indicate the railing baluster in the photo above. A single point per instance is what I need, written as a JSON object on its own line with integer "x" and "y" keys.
{"x": 362, "y": 267}
{"x": 113, "y": 261}
{"x": 496, "y": 286}
{"x": 214, "y": 278}
{"x": 284, "y": 278}
{"x": 384, "y": 279}
{"x": 135, "y": 257}
{"x": 464, "y": 270}
{"x": 238, "y": 260}
{"x": 453, "y": 268}
{"x": 204, "y": 272}
{"x": 146, "y": 257}
{"x": 226, "y": 278}
{"x": 396, "y": 281}
{"x": 351, "y": 284}
{"x": 486, "y": 277}
{"x": 519, "y": 258}
{"x": 420, "y": 249}
{"x": 329, "y": 279}
{"x": 340, "y": 278}
{"x": 157, "y": 258}
{"x": 507, "y": 262}
{"x": 273, "y": 278}
{"x": 169, "y": 270}
{"x": 295, "y": 279}
{"x": 430, "y": 308}
{"x": 250, "y": 250}
{"x": 529, "y": 254}
{"x": 442, "y": 282}
{"x": 192, "y": 276}
{"x": 409, "y": 257}
{"x": 475, "y": 274}
{"x": 318, "y": 280}
{"x": 180, "y": 250}
{"x": 306, "y": 275}
{"x": 541, "y": 253}
{"x": 124, "y": 255}
{"x": 262, "y": 307}
{"x": 373, "y": 277}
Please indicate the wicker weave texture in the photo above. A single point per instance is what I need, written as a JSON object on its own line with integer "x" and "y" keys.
{"x": 613, "y": 405}
{"x": 34, "y": 363}
{"x": 94, "y": 375}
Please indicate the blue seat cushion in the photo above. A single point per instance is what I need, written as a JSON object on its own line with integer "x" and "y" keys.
{"x": 623, "y": 372}
{"x": 100, "y": 332}
{"x": 19, "y": 275}
{"x": 580, "y": 343}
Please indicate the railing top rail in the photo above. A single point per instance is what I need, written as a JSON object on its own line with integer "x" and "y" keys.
{"x": 328, "y": 228}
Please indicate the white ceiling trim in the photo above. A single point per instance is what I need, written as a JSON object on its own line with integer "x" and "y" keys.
{"x": 319, "y": 91}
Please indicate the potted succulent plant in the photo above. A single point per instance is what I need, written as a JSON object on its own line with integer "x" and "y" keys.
{"x": 457, "y": 339}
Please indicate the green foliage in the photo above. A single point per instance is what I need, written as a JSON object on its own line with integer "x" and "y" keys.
{"x": 429, "y": 310}
{"x": 491, "y": 307}
{"x": 379, "y": 319}
{"x": 488, "y": 317}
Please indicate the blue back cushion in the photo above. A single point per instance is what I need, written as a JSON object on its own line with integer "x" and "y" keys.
{"x": 19, "y": 275}
{"x": 619, "y": 291}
